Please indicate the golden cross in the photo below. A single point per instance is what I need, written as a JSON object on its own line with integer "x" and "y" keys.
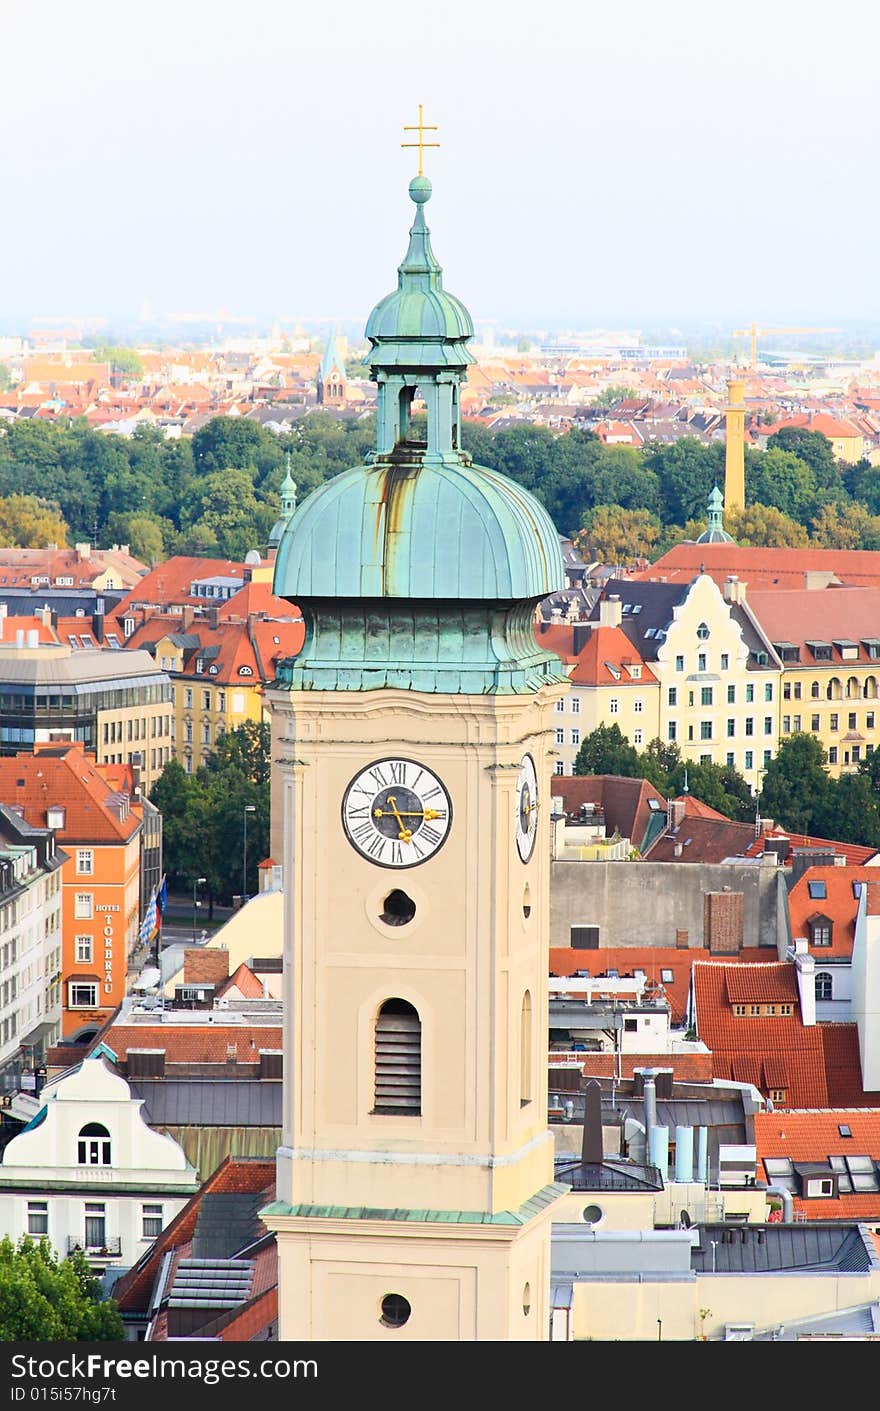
{"x": 421, "y": 128}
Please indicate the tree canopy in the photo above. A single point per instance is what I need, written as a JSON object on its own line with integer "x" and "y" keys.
{"x": 47, "y": 1299}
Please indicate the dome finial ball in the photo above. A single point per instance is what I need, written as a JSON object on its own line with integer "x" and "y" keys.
{"x": 420, "y": 190}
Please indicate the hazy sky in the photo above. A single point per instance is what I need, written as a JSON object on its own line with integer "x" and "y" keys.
{"x": 631, "y": 162}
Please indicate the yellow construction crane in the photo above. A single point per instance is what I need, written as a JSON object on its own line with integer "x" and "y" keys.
{"x": 754, "y": 330}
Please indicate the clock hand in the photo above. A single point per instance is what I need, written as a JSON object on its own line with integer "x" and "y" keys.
{"x": 405, "y": 833}
{"x": 426, "y": 813}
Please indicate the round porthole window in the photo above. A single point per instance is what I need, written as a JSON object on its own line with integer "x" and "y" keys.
{"x": 527, "y": 1300}
{"x": 527, "y": 901}
{"x": 397, "y": 908}
{"x": 702, "y": 632}
{"x": 592, "y": 1214}
{"x": 395, "y": 1310}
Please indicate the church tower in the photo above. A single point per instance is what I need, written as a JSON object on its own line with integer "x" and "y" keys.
{"x": 412, "y": 735}
{"x": 331, "y": 383}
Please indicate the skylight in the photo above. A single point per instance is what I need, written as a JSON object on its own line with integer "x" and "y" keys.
{"x": 817, "y": 891}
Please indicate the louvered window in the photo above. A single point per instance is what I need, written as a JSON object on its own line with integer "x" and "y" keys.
{"x": 525, "y": 1051}
{"x": 398, "y": 1059}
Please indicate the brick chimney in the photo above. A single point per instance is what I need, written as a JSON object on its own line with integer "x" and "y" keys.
{"x": 723, "y": 921}
{"x": 682, "y": 940}
{"x": 734, "y": 590}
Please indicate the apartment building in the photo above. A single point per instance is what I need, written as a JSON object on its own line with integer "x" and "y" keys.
{"x": 115, "y": 704}
{"x": 59, "y": 787}
{"x": 30, "y": 947}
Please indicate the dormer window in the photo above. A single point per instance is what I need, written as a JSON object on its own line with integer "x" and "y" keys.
{"x": 820, "y": 930}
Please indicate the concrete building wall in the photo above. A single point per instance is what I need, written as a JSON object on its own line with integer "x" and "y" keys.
{"x": 646, "y": 903}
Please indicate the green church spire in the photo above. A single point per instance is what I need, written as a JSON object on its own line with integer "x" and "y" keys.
{"x": 715, "y": 533}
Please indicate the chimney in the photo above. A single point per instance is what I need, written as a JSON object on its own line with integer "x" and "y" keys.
{"x": 592, "y": 1151}
{"x": 649, "y": 1097}
{"x": 19, "y": 636}
{"x": 723, "y": 921}
{"x": 98, "y": 626}
{"x": 610, "y": 612}
{"x": 734, "y": 590}
{"x": 675, "y": 811}
{"x": 33, "y": 637}
{"x": 580, "y": 636}
{"x": 83, "y": 551}
{"x": 682, "y": 940}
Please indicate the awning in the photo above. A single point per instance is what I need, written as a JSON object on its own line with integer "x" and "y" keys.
{"x": 37, "y": 1035}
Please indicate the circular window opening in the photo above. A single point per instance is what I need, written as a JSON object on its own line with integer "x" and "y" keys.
{"x": 592, "y": 1214}
{"x": 395, "y": 1310}
{"x": 527, "y": 901}
{"x": 527, "y": 1300}
{"x": 397, "y": 908}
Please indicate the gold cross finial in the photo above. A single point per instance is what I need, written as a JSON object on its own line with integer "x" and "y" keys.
{"x": 421, "y": 128}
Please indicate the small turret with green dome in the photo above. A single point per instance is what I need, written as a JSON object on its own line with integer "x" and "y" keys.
{"x": 419, "y": 569}
{"x": 288, "y": 506}
{"x": 715, "y": 533}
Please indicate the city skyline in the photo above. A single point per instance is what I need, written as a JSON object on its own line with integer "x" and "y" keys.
{"x": 683, "y": 169}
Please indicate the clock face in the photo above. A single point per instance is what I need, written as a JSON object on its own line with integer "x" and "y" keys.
{"x": 396, "y": 813}
{"x": 526, "y": 807}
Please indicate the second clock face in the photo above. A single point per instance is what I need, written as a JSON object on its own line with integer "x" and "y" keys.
{"x": 526, "y": 807}
{"x": 396, "y": 813}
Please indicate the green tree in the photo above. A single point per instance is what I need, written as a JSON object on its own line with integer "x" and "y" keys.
{"x": 797, "y": 791}
{"x": 658, "y": 762}
{"x": 28, "y": 522}
{"x": 854, "y": 813}
{"x": 620, "y": 477}
{"x": 5, "y": 378}
{"x": 846, "y": 526}
{"x": 148, "y": 536}
{"x": 230, "y": 443}
{"x": 763, "y": 527}
{"x": 719, "y": 786}
{"x": 223, "y": 504}
{"x": 606, "y": 751}
{"x": 44, "y": 1299}
{"x": 618, "y": 535}
{"x": 809, "y": 446}
{"x": 781, "y": 479}
{"x": 124, "y": 361}
{"x": 618, "y": 392}
{"x": 686, "y": 470}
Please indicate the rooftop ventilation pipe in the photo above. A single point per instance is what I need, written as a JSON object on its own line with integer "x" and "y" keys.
{"x": 787, "y": 1203}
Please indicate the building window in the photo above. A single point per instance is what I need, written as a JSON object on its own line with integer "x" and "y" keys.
{"x": 777, "y": 1094}
{"x": 725, "y": 661}
{"x": 869, "y": 720}
{"x": 38, "y": 1217}
{"x": 703, "y": 632}
{"x": 768, "y": 690}
{"x": 834, "y": 721}
{"x": 398, "y": 1060}
{"x": 814, "y": 723}
{"x": 83, "y": 949}
{"x": 575, "y": 737}
{"x": 206, "y": 700}
{"x": 706, "y": 695}
{"x": 786, "y": 691}
{"x": 768, "y": 724}
{"x": 815, "y": 690}
{"x": 820, "y": 931}
{"x": 731, "y": 728}
{"x": 731, "y": 759}
{"x": 767, "y": 757}
{"x": 637, "y": 737}
{"x": 206, "y": 733}
{"x": 731, "y": 695}
{"x": 671, "y": 730}
{"x": 93, "y": 1145}
{"x": 673, "y": 696}
{"x": 750, "y": 693}
{"x": 560, "y": 766}
{"x": 82, "y": 995}
{"x": 82, "y": 906}
{"x": 525, "y": 1051}
{"x": 188, "y": 697}
{"x": 832, "y": 755}
{"x": 575, "y": 705}
{"x": 560, "y": 737}
{"x": 851, "y": 720}
{"x": 797, "y": 691}
{"x": 613, "y": 706}
{"x": 739, "y": 1010}
{"x": 824, "y": 985}
{"x": 701, "y": 661}
{"x": 85, "y": 862}
{"x": 151, "y": 1216}
{"x": 750, "y": 725}
{"x": 560, "y": 705}
{"x": 705, "y": 729}
{"x": 96, "y": 1225}
{"x": 679, "y": 663}
{"x": 638, "y": 706}
{"x": 749, "y": 760}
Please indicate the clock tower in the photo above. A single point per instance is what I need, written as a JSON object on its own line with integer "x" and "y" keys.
{"x": 411, "y": 741}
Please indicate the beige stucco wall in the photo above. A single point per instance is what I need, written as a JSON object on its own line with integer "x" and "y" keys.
{"x": 833, "y": 725}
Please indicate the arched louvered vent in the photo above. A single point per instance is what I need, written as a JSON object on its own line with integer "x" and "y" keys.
{"x": 398, "y": 1059}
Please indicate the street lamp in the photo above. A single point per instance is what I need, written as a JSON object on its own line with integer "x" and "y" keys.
{"x": 197, "y": 882}
{"x": 248, "y": 808}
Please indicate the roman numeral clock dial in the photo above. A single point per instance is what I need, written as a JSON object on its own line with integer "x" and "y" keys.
{"x": 526, "y": 807}
{"x": 396, "y": 813}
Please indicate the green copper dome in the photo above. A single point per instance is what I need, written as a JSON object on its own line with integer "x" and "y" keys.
{"x": 715, "y": 533}
{"x": 448, "y": 531}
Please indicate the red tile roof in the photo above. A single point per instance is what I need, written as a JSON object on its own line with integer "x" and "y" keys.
{"x": 247, "y": 652}
{"x": 194, "y": 1043}
{"x": 855, "y": 854}
{"x": 254, "y": 1319}
{"x": 686, "y": 1067}
{"x": 652, "y": 959}
{"x": 766, "y": 983}
{"x": 169, "y": 582}
{"x": 817, "y": 1065}
{"x": 605, "y": 658}
{"x": 703, "y": 840}
{"x": 826, "y": 615}
{"x": 763, "y": 568}
{"x": 63, "y": 775}
{"x": 245, "y": 981}
{"x": 839, "y": 904}
{"x": 626, "y": 802}
{"x": 813, "y": 1136}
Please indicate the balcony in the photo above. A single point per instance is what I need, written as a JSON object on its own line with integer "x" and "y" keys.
{"x": 110, "y": 1249}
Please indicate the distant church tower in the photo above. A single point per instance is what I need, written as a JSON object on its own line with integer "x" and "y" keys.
{"x": 415, "y": 1176}
{"x": 331, "y": 385}
{"x": 734, "y": 454}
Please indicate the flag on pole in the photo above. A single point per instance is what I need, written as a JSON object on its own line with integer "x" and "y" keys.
{"x": 162, "y": 899}
{"x": 150, "y": 924}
